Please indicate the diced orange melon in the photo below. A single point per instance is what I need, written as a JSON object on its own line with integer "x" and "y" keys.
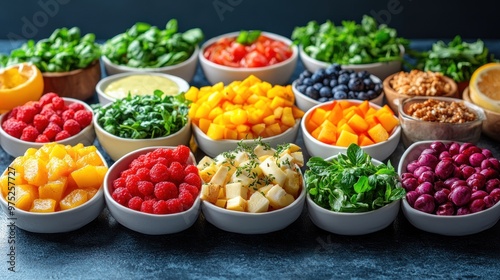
{"x": 328, "y": 133}
{"x": 388, "y": 121}
{"x": 378, "y": 133}
{"x": 346, "y": 138}
{"x": 87, "y": 177}
{"x": 35, "y": 171}
{"x": 357, "y": 123}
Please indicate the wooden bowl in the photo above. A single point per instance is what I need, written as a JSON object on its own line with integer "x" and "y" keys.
{"x": 79, "y": 84}
{"x": 491, "y": 125}
{"x": 393, "y": 97}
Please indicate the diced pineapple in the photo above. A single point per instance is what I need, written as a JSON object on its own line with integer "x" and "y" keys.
{"x": 261, "y": 150}
{"x": 53, "y": 189}
{"x": 274, "y": 195}
{"x": 220, "y": 176}
{"x": 221, "y": 202}
{"x": 57, "y": 168}
{"x": 235, "y": 189}
{"x": 35, "y": 172}
{"x": 24, "y": 196}
{"x": 258, "y": 203}
{"x": 271, "y": 169}
{"x": 210, "y": 192}
{"x": 236, "y": 204}
{"x": 43, "y": 205}
{"x": 87, "y": 177}
{"x": 292, "y": 183}
{"x": 298, "y": 158}
{"x": 74, "y": 199}
{"x": 265, "y": 189}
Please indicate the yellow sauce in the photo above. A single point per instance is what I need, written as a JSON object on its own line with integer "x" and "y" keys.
{"x": 141, "y": 85}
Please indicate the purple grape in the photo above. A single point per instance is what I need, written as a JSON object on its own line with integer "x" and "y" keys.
{"x": 424, "y": 188}
{"x": 460, "y": 195}
{"x": 441, "y": 196}
{"x": 444, "y": 169}
{"x": 477, "y": 205}
{"x": 475, "y": 159}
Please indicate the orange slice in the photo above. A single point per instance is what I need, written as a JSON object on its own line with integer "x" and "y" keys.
{"x": 19, "y": 84}
{"x": 484, "y": 86}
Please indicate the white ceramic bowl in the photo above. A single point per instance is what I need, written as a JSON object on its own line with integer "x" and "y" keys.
{"x": 152, "y": 224}
{"x": 184, "y": 70}
{"x": 62, "y": 221}
{"x": 277, "y": 74}
{"x": 254, "y": 223}
{"x": 215, "y": 147}
{"x": 116, "y": 147}
{"x": 379, "y": 69}
{"x": 16, "y": 147}
{"x": 305, "y": 102}
{"x": 104, "y": 83}
{"x": 352, "y": 223}
{"x": 380, "y": 151}
{"x": 444, "y": 225}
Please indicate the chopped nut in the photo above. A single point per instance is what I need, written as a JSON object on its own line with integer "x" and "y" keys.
{"x": 440, "y": 111}
{"x": 420, "y": 83}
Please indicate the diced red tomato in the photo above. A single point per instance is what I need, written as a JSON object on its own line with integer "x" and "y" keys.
{"x": 263, "y": 52}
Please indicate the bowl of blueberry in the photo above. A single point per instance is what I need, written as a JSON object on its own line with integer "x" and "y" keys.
{"x": 335, "y": 83}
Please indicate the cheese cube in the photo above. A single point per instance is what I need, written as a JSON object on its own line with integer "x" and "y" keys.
{"x": 210, "y": 192}
{"x": 236, "y": 204}
{"x": 258, "y": 203}
{"x": 271, "y": 169}
{"x": 274, "y": 196}
{"x": 292, "y": 183}
{"x": 236, "y": 189}
{"x": 221, "y": 203}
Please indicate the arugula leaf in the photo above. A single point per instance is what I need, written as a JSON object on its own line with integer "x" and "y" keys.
{"x": 248, "y": 37}
{"x": 351, "y": 182}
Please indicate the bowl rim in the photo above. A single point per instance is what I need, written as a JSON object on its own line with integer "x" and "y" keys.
{"x": 134, "y": 155}
{"x": 64, "y": 141}
{"x": 477, "y": 110}
{"x": 224, "y": 211}
{"x": 71, "y": 72}
{"x": 303, "y": 54}
{"x": 405, "y": 155}
{"x": 125, "y": 68}
{"x": 181, "y": 83}
{"x": 98, "y": 128}
{"x": 273, "y": 36}
{"x": 303, "y": 95}
{"x": 95, "y": 197}
{"x": 394, "y": 133}
{"x": 290, "y": 130}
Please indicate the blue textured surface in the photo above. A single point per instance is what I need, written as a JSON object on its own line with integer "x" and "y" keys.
{"x": 105, "y": 249}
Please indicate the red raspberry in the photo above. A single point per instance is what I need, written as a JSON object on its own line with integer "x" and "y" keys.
{"x": 191, "y": 168}
{"x": 176, "y": 172}
{"x": 158, "y": 173}
{"x": 83, "y": 117}
{"x": 162, "y": 160}
{"x": 181, "y": 154}
{"x": 42, "y": 139}
{"x": 166, "y": 190}
{"x": 48, "y": 111}
{"x": 183, "y": 187}
{"x": 121, "y": 195}
{"x": 146, "y": 188}
{"x": 63, "y": 134}
{"x": 136, "y": 164}
{"x": 29, "y": 134}
{"x": 186, "y": 199}
{"x": 72, "y": 127}
{"x": 131, "y": 184}
{"x": 119, "y": 183}
{"x": 26, "y": 113}
{"x": 68, "y": 115}
{"x": 52, "y": 130}
{"x": 135, "y": 203}
{"x": 150, "y": 197}
{"x": 160, "y": 207}
{"x": 40, "y": 122}
{"x": 141, "y": 158}
{"x": 143, "y": 173}
{"x": 193, "y": 179}
{"x": 76, "y": 107}
{"x": 47, "y": 98}
{"x": 13, "y": 113}
{"x": 127, "y": 172}
{"x": 162, "y": 153}
{"x": 14, "y": 127}
{"x": 174, "y": 205}
{"x": 57, "y": 120}
{"x": 147, "y": 206}
{"x": 58, "y": 103}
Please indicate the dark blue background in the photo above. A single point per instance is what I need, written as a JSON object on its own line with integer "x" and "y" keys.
{"x": 429, "y": 19}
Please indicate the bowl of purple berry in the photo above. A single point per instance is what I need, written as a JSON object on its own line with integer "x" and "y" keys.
{"x": 452, "y": 188}
{"x": 335, "y": 83}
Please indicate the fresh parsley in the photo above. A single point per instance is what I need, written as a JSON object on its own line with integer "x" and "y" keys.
{"x": 351, "y": 182}
{"x": 144, "y": 116}
{"x": 248, "y": 37}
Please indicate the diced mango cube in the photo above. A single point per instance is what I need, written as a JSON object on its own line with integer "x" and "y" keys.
{"x": 35, "y": 172}
{"x": 378, "y": 133}
{"x": 53, "y": 189}
{"x": 87, "y": 177}
{"x": 24, "y": 196}
{"x": 43, "y": 205}
{"x": 346, "y": 138}
{"x": 74, "y": 199}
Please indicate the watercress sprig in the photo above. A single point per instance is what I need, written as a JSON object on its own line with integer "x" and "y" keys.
{"x": 351, "y": 182}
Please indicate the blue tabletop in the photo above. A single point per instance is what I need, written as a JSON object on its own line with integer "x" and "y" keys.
{"x": 105, "y": 249}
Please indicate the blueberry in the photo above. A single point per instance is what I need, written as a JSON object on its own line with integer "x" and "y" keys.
{"x": 363, "y": 95}
{"x": 333, "y": 83}
{"x": 340, "y": 95}
{"x": 369, "y": 84}
{"x": 343, "y": 79}
{"x": 333, "y": 68}
{"x": 301, "y": 88}
{"x": 363, "y": 74}
{"x": 343, "y": 88}
{"x": 321, "y": 72}
{"x": 312, "y": 92}
{"x": 325, "y": 92}
{"x": 371, "y": 94}
{"x": 326, "y": 82}
{"x": 318, "y": 86}
{"x": 307, "y": 82}
{"x": 353, "y": 75}
{"x": 352, "y": 95}
{"x": 356, "y": 84}
{"x": 305, "y": 74}
{"x": 316, "y": 77}
{"x": 377, "y": 88}
{"x": 323, "y": 99}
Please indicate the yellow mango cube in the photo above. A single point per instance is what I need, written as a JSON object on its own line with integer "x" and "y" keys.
{"x": 92, "y": 158}
{"x": 24, "y": 196}
{"x": 53, "y": 189}
{"x": 35, "y": 172}
{"x": 346, "y": 138}
{"x": 43, "y": 205}
{"x": 87, "y": 177}
{"x": 74, "y": 199}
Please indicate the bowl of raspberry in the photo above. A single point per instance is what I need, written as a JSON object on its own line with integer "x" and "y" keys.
{"x": 154, "y": 190}
{"x": 50, "y": 119}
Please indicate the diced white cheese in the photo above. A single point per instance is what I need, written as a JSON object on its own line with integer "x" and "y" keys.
{"x": 236, "y": 204}
{"x": 274, "y": 196}
{"x": 261, "y": 150}
{"x": 220, "y": 176}
{"x": 258, "y": 203}
{"x": 292, "y": 183}
{"x": 210, "y": 192}
{"x": 235, "y": 189}
{"x": 271, "y": 170}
